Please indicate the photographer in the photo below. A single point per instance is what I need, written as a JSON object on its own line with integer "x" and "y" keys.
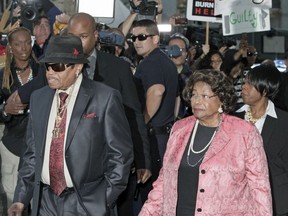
{"x": 42, "y": 33}
{"x": 29, "y": 11}
{"x": 136, "y": 11}
{"x": 112, "y": 41}
{"x": 178, "y": 46}
{"x": 25, "y": 12}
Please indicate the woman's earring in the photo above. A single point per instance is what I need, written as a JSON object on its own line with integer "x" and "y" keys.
{"x": 220, "y": 110}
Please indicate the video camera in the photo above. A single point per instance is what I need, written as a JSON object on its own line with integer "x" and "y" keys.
{"x": 30, "y": 9}
{"x": 173, "y": 51}
{"x": 146, "y": 9}
{"x": 111, "y": 38}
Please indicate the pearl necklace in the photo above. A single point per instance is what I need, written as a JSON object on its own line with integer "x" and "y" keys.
{"x": 205, "y": 147}
{"x": 30, "y": 77}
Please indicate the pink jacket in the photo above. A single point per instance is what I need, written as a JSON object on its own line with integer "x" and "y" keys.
{"x": 233, "y": 174}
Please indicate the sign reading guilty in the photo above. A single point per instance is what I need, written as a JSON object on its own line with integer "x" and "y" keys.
{"x": 202, "y": 10}
{"x": 243, "y": 16}
{"x": 247, "y": 15}
{"x": 245, "y": 19}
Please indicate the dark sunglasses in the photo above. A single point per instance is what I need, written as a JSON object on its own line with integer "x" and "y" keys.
{"x": 141, "y": 37}
{"x": 252, "y": 54}
{"x": 57, "y": 67}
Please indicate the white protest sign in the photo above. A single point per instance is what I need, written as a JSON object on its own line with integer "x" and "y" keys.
{"x": 245, "y": 19}
{"x": 222, "y": 6}
{"x": 201, "y": 10}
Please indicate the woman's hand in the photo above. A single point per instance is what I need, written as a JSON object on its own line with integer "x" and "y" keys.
{"x": 14, "y": 105}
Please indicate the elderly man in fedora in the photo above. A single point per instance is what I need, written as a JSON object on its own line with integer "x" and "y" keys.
{"x": 79, "y": 144}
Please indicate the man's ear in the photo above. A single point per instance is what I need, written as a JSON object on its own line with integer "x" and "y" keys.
{"x": 156, "y": 39}
{"x": 96, "y": 35}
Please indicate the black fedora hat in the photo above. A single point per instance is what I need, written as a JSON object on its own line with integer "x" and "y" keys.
{"x": 64, "y": 49}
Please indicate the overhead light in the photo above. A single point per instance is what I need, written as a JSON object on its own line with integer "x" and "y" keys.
{"x": 164, "y": 27}
{"x": 101, "y": 9}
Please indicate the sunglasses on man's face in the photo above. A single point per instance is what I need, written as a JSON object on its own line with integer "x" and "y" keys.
{"x": 57, "y": 67}
{"x": 141, "y": 37}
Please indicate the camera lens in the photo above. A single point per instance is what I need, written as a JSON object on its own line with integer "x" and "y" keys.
{"x": 29, "y": 13}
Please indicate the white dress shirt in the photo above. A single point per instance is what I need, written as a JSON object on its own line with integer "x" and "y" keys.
{"x": 45, "y": 177}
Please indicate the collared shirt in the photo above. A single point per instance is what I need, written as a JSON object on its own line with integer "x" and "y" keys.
{"x": 91, "y": 65}
{"x": 270, "y": 110}
{"x": 45, "y": 178}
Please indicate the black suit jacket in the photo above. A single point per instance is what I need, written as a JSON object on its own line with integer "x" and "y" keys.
{"x": 116, "y": 73}
{"x": 98, "y": 150}
{"x": 275, "y": 139}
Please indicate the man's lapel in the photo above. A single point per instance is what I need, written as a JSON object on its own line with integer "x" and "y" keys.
{"x": 79, "y": 107}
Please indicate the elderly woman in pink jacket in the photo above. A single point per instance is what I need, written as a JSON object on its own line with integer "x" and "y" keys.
{"x": 215, "y": 164}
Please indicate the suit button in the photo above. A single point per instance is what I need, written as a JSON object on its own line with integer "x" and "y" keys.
{"x": 203, "y": 171}
{"x": 199, "y": 210}
{"x": 202, "y": 190}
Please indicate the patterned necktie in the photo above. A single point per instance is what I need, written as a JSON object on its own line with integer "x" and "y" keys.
{"x": 56, "y": 160}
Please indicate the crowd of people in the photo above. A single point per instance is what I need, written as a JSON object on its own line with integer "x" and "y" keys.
{"x": 113, "y": 124}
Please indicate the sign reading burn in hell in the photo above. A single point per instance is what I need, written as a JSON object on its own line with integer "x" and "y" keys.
{"x": 203, "y": 8}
